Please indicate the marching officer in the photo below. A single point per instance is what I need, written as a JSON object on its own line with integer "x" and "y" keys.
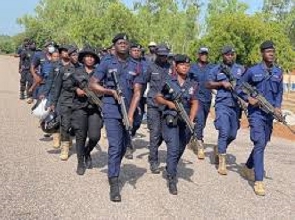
{"x": 63, "y": 95}
{"x": 227, "y": 110}
{"x": 175, "y": 131}
{"x": 267, "y": 77}
{"x": 135, "y": 54}
{"x": 41, "y": 67}
{"x": 199, "y": 72}
{"x": 26, "y": 79}
{"x": 155, "y": 72}
{"x": 131, "y": 80}
{"x": 86, "y": 116}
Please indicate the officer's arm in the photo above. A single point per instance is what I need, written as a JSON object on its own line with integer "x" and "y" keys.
{"x": 160, "y": 100}
{"x": 279, "y": 95}
{"x": 97, "y": 78}
{"x": 35, "y": 63}
{"x": 194, "y": 109}
{"x": 194, "y": 103}
{"x": 135, "y": 99}
{"x": 212, "y": 82}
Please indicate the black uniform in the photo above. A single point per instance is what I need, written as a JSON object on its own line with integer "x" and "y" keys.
{"x": 26, "y": 79}
{"x": 63, "y": 94}
{"x": 86, "y": 117}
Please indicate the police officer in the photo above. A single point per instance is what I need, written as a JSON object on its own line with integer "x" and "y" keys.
{"x": 86, "y": 116}
{"x": 50, "y": 80}
{"x": 73, "y": 55}
{"x": 21, "y": 47}
{"x": 267, "y": 77}
{"x": 199, "y": 72}
{"x": 155, "y": 72}
{"x": 135, "y": 54}
{"x": 175, "y": 131}
{"x": 130, "y": 80}
{"x": 26, "y": 56}
{"x": 63, "y": 95}
{"x": 151, "y": 56}
{"x": 41, "y": 67}
{"x": 45, "y": 85}
{"x": 227, "y": 110}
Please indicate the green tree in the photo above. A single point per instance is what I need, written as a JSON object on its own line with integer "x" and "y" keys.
{"x": 7, "y": 44}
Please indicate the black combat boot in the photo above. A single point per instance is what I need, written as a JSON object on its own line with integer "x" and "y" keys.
{"x": 154, "y": 167}
{"x": 81, "y": 168}
{"x": 114, "y": 189}
{"x": 88, "y": 159}
{"x": 172, "y": 184}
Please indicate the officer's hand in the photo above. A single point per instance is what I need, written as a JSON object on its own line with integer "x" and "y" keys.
{"x": 226, "y": 85}
{"x": 252, "y": 101}
{"x": 171, "y": 105}
{"x": 80, "y": 92}
{"x": 115, "y": 94}
{"x": 30, "y": 91}
{"x": 130, "y": 119}
{"x": 278, "y": 112}
{"x": 37, "y": 78}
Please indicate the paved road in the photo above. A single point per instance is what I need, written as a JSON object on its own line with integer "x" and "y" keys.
{"x": 35, "y": 184}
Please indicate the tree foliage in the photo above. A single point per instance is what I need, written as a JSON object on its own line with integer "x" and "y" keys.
{"x": 7, "y": 45}
{"x": 178, "y": 23}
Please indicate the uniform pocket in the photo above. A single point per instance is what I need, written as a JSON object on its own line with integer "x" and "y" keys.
{"x": 257, "y": 77}
{"x": 274, "y": 84}
{"x": 221, "y": 77}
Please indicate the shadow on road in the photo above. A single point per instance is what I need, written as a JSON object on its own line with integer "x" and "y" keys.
{"x": 130, "y": 174}
{"x": 99, "y": 157}
{"x": 140, "y": 143}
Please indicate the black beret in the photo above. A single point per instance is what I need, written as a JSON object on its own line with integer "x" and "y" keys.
{"x": 120, "y": 36}
{"x": 88, "y": 51}
{"x": 181, "y": 58}
{"x": 135, "y": 45}
{"x": 267, "y": 45}
{"x": 227, "y": 49}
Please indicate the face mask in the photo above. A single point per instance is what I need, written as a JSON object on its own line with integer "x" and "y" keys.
{"x": 51, "y": 49}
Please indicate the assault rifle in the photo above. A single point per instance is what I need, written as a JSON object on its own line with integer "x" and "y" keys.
{"x": 263, "y": 104}
{"x": 83, "y": 84}
{"x": 242, "y": 104}
{"x": 121, "y": 102}
{"x": 176, "y": 96}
